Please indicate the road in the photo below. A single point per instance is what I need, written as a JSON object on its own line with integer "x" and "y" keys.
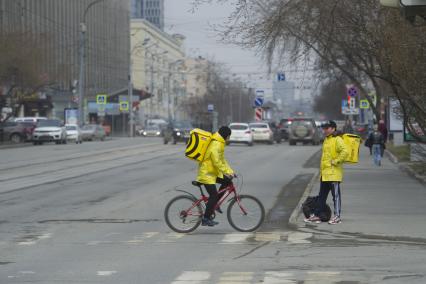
{"x": 93, "y": 213}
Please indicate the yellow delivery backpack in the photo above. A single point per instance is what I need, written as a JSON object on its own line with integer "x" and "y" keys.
{"x": 197, "y": 144}
{"x": 352, "y": 143}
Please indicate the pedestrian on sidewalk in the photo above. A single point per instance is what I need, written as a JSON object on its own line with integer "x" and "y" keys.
{"x": 376, "y": 140}
{"x": 384, "y": 130}
{"x": 334, "y": 153}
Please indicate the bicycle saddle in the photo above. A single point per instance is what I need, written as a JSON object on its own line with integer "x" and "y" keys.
{"x": 196, "y": 183}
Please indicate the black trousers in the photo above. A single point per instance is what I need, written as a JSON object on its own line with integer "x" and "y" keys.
{"x": 326, "y": 187}
{"x": 214, "y": 196}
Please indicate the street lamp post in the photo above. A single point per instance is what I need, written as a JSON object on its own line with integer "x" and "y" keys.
{"x": 83, "y": 29}
{"x": 169, "y": 91}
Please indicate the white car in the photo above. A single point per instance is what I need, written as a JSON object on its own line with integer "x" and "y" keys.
{"x": 241, "y": 133}
{"x": 49, "y": 130}
{"x": 74, "y": 133}
{"x": 262, "y": 132}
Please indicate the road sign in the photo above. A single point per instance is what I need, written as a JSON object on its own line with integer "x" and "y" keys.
{"x": 349, "y": 111}
{"x": 101, "y": 99}
{"x": 258, "y": 114}
{"x": 364, "y": 104}
{"x": 258, "y": 102}
{"x": 260, "y": 93}
{"x": 351, "y": 90}
{"x": 124, "y": 106}
{"x": 210, "y": 107}
{"x": 281, "y": 77}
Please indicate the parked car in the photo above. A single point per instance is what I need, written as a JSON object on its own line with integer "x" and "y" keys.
{"x": 241, "y": 133}
{"x": 262, "y": 132}
{"x": 74, "y": 133}
{"x": 33, "y": 119}
{"x": 15, "y": 132}
{"x": 49, "y": 130}
{"x": 303, "y": 130}
{"x": 177, "y": 131}
{"x": 90, "y": 132}
{"x": 150, "y": 131}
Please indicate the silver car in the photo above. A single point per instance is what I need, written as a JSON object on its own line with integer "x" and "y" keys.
{"x": 90, "y": 132}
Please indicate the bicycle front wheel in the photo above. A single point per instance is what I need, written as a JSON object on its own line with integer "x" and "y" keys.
{"x": 182, "y": 214}
{"x": 247, "y": 214}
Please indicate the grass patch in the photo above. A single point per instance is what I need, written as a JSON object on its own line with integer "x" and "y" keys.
{"x": 401, "y": 152}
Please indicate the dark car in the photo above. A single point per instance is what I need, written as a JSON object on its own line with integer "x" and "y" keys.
{"x": 276, "y": 129}
{"x": 284, "y": 125}
{"x": 16, "y": 132}
{"x": 177, "y": 131}
{"x": 303, "y": 130}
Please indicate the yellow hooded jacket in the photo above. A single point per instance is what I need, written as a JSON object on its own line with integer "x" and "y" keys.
{"x": 334, "y": 153}
{"x": 214, "y": 164}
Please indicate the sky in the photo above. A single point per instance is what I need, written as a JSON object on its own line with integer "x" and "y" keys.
{"x": 202, "y": 40}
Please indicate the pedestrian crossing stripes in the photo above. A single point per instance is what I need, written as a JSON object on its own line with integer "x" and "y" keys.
{"x": 267, "y": 277}
{"x": 225, "y": 239}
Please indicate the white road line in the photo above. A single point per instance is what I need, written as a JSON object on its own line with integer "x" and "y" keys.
{"x": 106, "y": 273}
{"x": 35, "y": 240}
{"x": 274, "y": 277}
{"x": 299, "y": 238}
{"x": 236, "y": 277}
{"x": 192, "y": 277}
{"x": 235, "y": 238}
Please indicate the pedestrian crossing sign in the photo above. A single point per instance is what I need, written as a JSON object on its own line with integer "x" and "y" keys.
{"x": 124, "y": 106}
{"x": 101, "y": 99}
{"x": 364, "y": 104}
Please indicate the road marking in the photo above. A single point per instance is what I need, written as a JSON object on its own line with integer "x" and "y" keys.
{"x": 235, "y": 238}
{"x": 192, "y": 277}
{"x": 236, "y": 277}
{"x": 268, "y": 237}
{"x": 106, "y": 273}
{"x": 299, "y": 238}
{"x": 34, "y": 240}
{"x": 274, "y": 277}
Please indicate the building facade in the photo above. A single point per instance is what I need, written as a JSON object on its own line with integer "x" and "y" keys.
{"x": 158, "y": 62}
{"x": 50, "y": 30}
{"x": 150, "y": 10}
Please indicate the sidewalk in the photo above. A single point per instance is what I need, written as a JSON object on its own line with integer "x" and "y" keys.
{"x": 377, "y": 201}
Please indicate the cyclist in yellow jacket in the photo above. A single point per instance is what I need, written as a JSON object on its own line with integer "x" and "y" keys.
{"x": 334, "y": 153}
{"x": 215, "y": 169}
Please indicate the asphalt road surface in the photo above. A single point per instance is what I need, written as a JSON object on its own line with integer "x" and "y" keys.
{"x": 93, "y": 213}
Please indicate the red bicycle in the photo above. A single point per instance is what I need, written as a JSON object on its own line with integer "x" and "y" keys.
{"x": 183, "y": 213}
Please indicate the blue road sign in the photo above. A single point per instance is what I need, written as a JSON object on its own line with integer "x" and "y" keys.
{"x": 281, "y": 77}
{"x": 352, "y": 92}
{"x": 258, "y": 102}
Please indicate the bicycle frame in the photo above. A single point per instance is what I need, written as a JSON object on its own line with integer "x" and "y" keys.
{"x": 227, "y": 191}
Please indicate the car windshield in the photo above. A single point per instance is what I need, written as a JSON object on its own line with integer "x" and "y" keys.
{"x": 71, "y": 127}
{"x": 238, "y": 127}
{"x": 302, "y": 122}
{"x": 258, "y": 125}
{"x": 49, "y": 122}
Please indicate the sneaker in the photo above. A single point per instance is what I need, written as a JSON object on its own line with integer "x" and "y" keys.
{"x": 312, "y": 219}
{"x": 208, "y": 222}
{"x": 219, "y": 210}
{"x": 335, "y": 220}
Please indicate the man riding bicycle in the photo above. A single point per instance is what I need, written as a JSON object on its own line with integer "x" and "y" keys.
{"x": 215, "y": 169}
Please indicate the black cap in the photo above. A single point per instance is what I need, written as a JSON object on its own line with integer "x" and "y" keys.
{"x": 225, "y": 131}
{"x": 329, "y": 123}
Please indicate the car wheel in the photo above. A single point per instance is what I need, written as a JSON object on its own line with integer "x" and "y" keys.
{"x": 15, "y": 138}
{"x": 250, "y": 144}
{"x": 291, "y": 142}
{"x": 64, "y": 141}
{"x": 35, "y": 143}
{"x": 174, "y": 142}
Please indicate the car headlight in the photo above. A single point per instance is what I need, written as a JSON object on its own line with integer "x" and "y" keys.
{"x": 158, "y": 133}
{"x": 178, "y": 133}
{"x": 144, "y": 133}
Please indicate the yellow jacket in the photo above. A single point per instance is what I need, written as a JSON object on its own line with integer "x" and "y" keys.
{"x": 214, "y": 164}
{"x": 334, "y": 153}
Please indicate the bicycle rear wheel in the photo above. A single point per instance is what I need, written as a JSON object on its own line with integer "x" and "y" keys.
{"x": 246, "y": 215}
{"x": 182, "y": 215}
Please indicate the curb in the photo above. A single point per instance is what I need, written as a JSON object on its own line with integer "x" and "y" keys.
{"x": 296, "y": 212}
{"x": 405, "y": 168}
